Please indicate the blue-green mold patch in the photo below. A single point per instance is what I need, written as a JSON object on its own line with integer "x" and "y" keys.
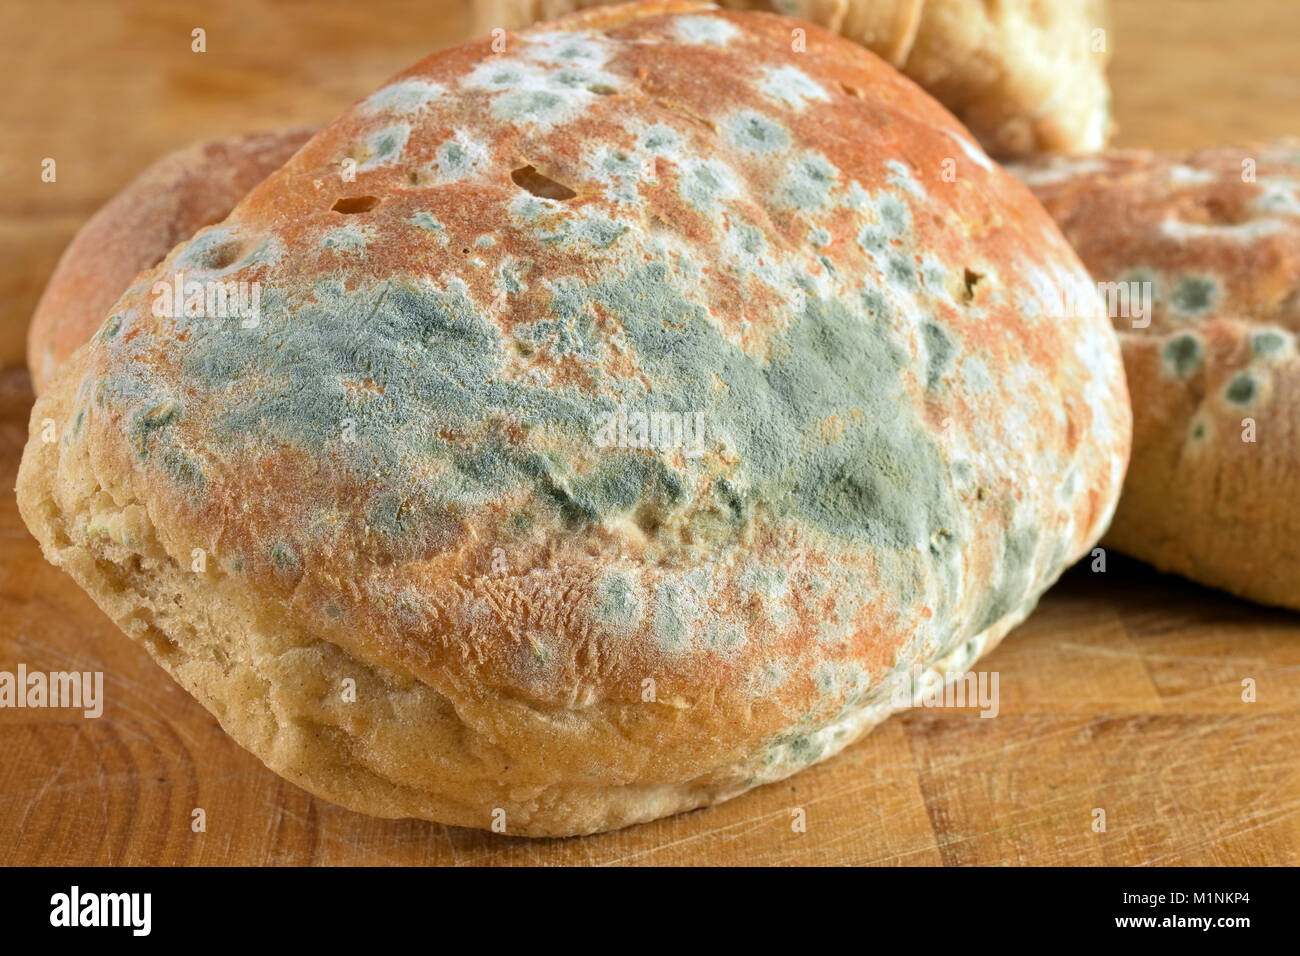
{"x": 1267, "y": 342}
{"x": 753, "y": 132}
{"x": 1194, "y": 295}
{"x": 808, "y": 183}
{"x": 1243, "y": 389}
{"x": 421, "y": 372}
{"x": 1182, "y": 355}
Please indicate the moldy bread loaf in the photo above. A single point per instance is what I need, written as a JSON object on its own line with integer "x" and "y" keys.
{"x": 431, "y": 467}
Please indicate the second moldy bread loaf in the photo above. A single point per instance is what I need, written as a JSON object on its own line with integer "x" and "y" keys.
{"x": 1201, "y": 256}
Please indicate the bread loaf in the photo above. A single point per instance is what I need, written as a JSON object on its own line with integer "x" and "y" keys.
{"x": 1200, "y": 258}
{"x": 167, "y": 203}
{"x": 1024, "y": 75}
{"x": 647, "y": 420}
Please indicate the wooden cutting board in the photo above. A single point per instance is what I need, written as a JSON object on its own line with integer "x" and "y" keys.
{"x": 1122, "y": 693}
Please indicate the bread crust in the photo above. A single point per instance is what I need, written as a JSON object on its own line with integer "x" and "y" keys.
{"x": 167, "y": 203}
{"x": 1215, "y": 376}
{"x": 1025, "y": 76}
{"x": 402, "y": 474}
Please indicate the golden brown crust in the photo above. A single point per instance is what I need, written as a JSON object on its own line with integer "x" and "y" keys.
{"x": 1023, "y": 75}
{"x": 1214, "y": 376}
{"x": 166, "y": 204}
{"x": 406, "y": 469}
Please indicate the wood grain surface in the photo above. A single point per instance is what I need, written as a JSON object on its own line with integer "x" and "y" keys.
{"x": 1123, "y": 692}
